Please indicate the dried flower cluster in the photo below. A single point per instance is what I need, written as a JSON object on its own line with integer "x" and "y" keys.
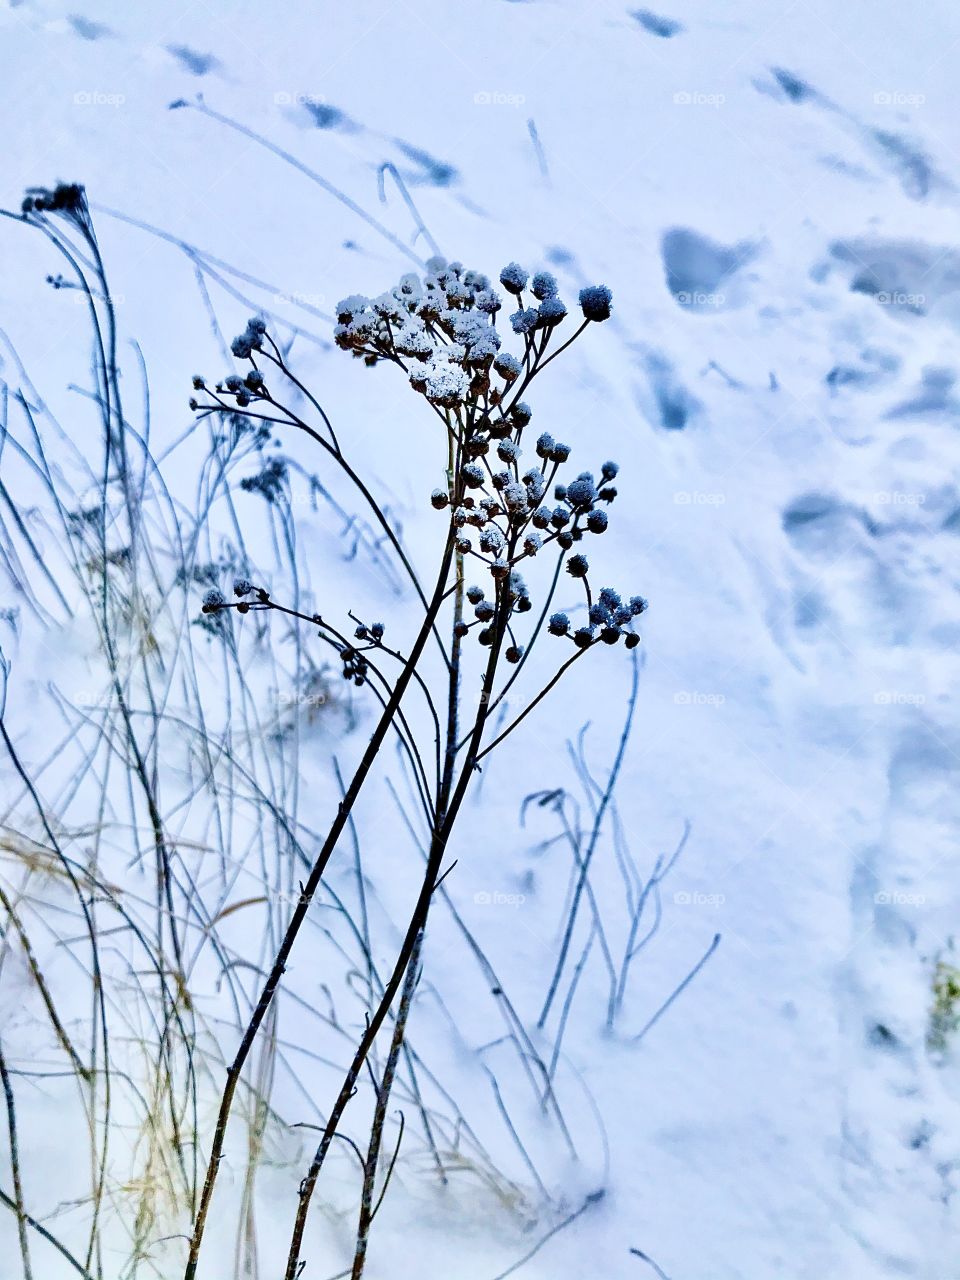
{"x": 441, "y": 330}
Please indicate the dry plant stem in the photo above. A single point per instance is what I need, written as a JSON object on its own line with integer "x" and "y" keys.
{"x": 588, "y": 855}
{"x": 15, "y": 1168}
{"x": 37, "y": 974}
{"x": 441, "y": 834}
{"x": 445, "y": 783}
{"x": 367, "y": 1209}
{"x": 51, "y": 1239}
{"x": 300, "y": 911}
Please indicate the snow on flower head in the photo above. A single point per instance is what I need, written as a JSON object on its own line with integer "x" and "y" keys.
{"x": 350, "y": 307}
{"x": 446, "y": 385}
{"x": 595, "y": 302}
{"x": 551, "y": 311}
{"x": 513, "y": 277}
{"x": 543, "y": 285}
{"x": 508, "y": 366}
{"x": 524, "y": 321}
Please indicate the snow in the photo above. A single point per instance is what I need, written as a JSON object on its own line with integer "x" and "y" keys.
{"x": 769, "y": 192}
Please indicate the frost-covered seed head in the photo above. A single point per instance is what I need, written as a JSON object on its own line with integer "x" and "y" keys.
{"x": 439, "y": 499}
{"x": 550, "y": 312}
{"x": 507, "y": 451}
{"x": 609, "y": 598}
{"x": 524, "y": 321}
{"x": 582, "y": 493}
{"x": 541, "y": 518}
{"x": 543, "y": 285}
{"x": 484, "y": 611}
{"x": 474, "y": 594}
{"x": 632, "y": 640}
{"x": 560, "y": 517}
{"x": 583, "y": 637}
{"x": 349, "y": 308}
{"x": 487, "y": 301}
{"x": 460, "y": 629}
{"x": 597, "y": 521}
{"x": 447, "y": 386}
{"x": 508, "y": 366}
{"x": 213, "y": 600}
{"x": 514, "y": 278}
{"x": 564, "y": 541}
{"x": 536, "y": 483}
{"x": 595, "y": 302}
{"x": 609, "y": 635}
{"x": 500, "y": 568}
{"x": 532, "y": 543}
{"x": 559, "y": 624}
{"x": 514, "y": 653}
{"x": 599, "y": 614}
{"x": 515, "y": 496}
{"x": 521, "y": 413}
{"x": 472, "y": 475}
{"x": 559, "y": 452}
{"x": 492, "y": 541}
{"x": 544, "y": 444}
{"x": 242, "y": 586}
{"x": 577, "y": 566}
{"x": 609, "y": 470}
{"x": 637, "y": 605}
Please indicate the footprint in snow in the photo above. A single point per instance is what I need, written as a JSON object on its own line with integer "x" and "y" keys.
{"x": 198, "y": 64}
{"x": 656, "y": 25}
{"x": 702, "y": 274}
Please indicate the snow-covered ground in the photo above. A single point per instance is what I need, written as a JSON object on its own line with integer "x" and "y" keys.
{"x": 770, "y": 191}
